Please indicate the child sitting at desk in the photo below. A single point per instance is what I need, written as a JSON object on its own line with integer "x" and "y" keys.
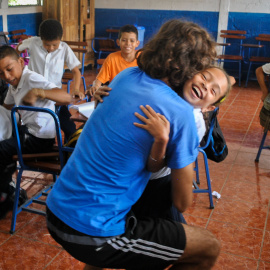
{"x": 48, "y": 55}
{"x": 28, "y": 88}
{"x": 118, "y": 61}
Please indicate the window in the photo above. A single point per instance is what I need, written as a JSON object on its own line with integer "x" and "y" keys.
{"x": 15, "y": 3}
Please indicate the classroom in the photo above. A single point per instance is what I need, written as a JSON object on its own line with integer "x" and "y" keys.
{"x": 232, "y": 200}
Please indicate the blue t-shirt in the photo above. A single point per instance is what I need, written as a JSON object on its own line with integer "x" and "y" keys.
{"x": 106, "y": 174}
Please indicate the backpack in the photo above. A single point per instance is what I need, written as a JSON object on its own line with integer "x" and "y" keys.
{"x": 217, "y": 149}
{"x": 72, "y": 141}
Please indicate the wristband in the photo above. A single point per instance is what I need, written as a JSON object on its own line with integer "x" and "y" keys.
{"x": 155, "y": 159}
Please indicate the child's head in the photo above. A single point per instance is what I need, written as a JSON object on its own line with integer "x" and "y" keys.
{"x": 207, "y": 88}
{"x": 177, "y": 52}
{"x": 51, "y": 33}
{"x": 128, "y": 39}
{"x": 11, "y": 65}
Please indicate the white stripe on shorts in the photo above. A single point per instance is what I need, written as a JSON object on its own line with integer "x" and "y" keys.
{"x": 147, "y": 248}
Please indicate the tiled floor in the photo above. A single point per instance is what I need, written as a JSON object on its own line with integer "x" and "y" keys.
{"x": 240, "y": 219}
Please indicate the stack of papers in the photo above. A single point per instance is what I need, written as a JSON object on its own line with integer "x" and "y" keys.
{"x": 85, "y": 109}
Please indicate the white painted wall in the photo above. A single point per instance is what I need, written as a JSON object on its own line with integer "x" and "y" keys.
{"x": 5, "y": 10}
{"x": 257, "y": 6}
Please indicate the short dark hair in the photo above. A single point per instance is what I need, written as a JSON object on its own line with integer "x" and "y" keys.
{"x": 129, "y": 28}
{"x": 50, "y": 29}
{"x": 8, "y": 51}
{"x": 178, "y": 51}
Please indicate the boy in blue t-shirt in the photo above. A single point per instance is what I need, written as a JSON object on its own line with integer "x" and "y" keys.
{"x": 88, "y": 210}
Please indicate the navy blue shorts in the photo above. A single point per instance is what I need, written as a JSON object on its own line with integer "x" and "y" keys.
{"x": 148, "y": 243}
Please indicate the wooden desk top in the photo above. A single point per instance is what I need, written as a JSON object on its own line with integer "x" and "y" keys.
{"x": 112, "y": 30}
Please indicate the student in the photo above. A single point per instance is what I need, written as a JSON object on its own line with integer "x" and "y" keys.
{"x": 26, "y": 87}
{"x": 260, "y": 74}
{"x": 48, "y": 55}
{"x": 118, "y": 61}
{"x": 200, "y": 92}
{"x": 88, "y": 210}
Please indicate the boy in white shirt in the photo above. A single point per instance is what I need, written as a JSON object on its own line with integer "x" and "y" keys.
{"x": 48, "y": 55}
{"x": 26, "y": 88}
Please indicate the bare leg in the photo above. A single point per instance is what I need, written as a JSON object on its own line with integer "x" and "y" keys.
{"x": 89, "y": 267}
{"x": 201, "y": 252}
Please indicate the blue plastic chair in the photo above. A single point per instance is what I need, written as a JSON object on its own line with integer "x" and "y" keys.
{"x": 103, "y": 45}
{"x": 51, "y": 163}
{"x": 201, "y": 150}
{"x": 80, "y": 48}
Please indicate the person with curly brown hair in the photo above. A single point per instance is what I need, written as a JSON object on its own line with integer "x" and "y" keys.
{"x": 89, "y": 208}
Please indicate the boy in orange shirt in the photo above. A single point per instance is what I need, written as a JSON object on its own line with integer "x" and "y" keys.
{"x": 118, "y": 61}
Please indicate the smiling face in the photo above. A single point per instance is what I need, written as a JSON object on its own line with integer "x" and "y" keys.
{"x": 205, "y": 88}
{"x": 11, "y": 70}
{"x": 51, "y": 45}
{"x": 128, "y": 42}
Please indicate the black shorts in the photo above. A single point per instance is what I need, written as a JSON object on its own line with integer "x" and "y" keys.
{"x": 149, "y": 243}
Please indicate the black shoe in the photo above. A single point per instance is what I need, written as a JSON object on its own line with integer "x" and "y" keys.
{"x": 23, "y": 195}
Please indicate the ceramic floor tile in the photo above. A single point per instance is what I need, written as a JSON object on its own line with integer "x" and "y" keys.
{"x": 250, "y": 174}
{"x": 63, "y": 261}
{"x": 195, "y": 221}
{"x": 265, "y": 256}
{"x": 264, "y": 266}
{"x": 23, "y": 218}
{"x": 236, "y": 239}
{"x": 200, "y": 206}
{"x": 4, "y": 236}
{"x": 268, "y": 222}
{"x": 249, "y": 214}
{"x": 249, "y": 160}
{"x": 37, "y": 230}
{"x": 233, "y": 262}
{"x": 237, "y": 135}
{"x": 246, "y": 191}
{"x": 20, "y": 253}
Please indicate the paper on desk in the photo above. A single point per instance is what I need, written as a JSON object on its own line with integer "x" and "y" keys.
{"x": 85, "y": 109}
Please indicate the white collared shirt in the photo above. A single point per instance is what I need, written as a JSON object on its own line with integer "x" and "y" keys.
{"x": 50, "y": 65}
{"x": 39, "y": 124}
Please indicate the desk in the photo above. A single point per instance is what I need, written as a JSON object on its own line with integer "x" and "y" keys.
{"x": 111, "y": 31}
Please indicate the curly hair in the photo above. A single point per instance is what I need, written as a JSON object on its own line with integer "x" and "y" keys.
{"x": 177, "y": 52}
{"x": 6, "y": 50}
{"x": 50, "y": 29}
{"x": 129, "y": 28}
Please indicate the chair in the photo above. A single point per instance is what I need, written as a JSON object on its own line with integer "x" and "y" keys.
{"x": 196, "y": 183}
{"x": 17, "y": 35}
{"x": 101, "y": 45}
{"x": 258, "y": 59}
{"x": 78, "y": 47}
{"x": 51, "y": 163}
{"x": 235, "y": 54}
